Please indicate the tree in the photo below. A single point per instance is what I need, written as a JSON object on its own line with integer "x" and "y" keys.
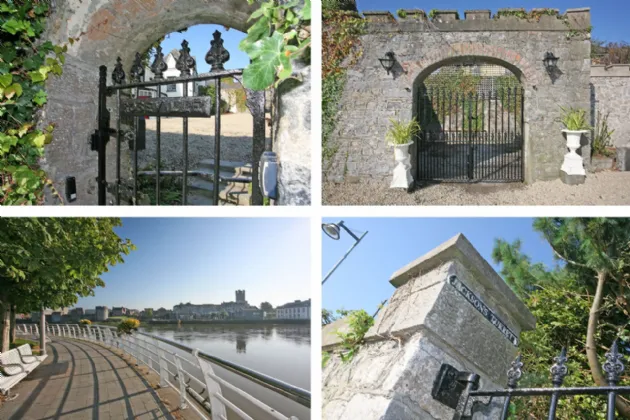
{"x": 595, "y": 256}
{"x": 148, "y": 313}
{"x": 50, "y": 262}
{"x": 266, "y": 306}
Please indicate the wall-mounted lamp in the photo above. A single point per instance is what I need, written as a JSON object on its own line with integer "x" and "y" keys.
{"x": 551, "y": 62}
{"x": 388, "y": 62}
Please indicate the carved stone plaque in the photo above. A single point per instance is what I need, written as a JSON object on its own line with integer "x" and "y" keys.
{"x": 483, "y": 309}
{"x": 196, "y": 106}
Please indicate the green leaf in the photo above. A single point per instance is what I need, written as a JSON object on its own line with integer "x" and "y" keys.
{"x": 306, "y": 10}
{"x": 12, "y": 26}
{"x": 261, "y": 73}
{"x": 40, "y": 97}
{"x": 37, "y": 76}
{"x": 5, "y": 80}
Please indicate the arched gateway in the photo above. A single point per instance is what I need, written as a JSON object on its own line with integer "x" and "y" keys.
{"x": 487, "y": 103}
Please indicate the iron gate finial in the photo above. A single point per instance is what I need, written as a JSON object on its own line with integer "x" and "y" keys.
{"x": 118, "y": 75}
{"x": 559, "y": 369}
{"x": 218, "y": 55}
{"x": 614, "y": 365}
{"x": 515, "y": 372}
{"x": 159, "y": 66}
{"x": 137, "y": 69}
{"x": 185, "y": 62}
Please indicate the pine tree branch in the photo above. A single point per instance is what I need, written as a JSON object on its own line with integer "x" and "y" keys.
{"x": 562, "y": 257}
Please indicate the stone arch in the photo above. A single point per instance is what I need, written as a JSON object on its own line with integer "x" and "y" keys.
{"x": 419, "y": 69}
{"x": 105, "y": 30}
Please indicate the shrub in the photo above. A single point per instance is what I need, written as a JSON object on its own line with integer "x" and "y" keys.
{"x": 128, "y": 325}
{"x": 340, "y": 5}
{"x": 85, "y": 322}
{"x": 602, "y": 138}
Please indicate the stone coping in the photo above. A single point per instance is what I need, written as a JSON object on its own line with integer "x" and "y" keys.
{"x": 613, "y": 70}
{"x": 459, "y": 248}
{"x": 475, "y": 20}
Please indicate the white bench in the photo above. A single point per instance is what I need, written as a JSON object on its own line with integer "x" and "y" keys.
{"x": 15, "y": 364}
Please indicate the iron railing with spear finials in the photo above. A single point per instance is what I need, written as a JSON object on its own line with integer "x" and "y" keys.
{"x": 184, "y": 107}
{"x": 459, "y": 390}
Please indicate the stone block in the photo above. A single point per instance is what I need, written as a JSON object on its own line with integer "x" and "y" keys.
{"x": 579, "y": 18}
{"x": 477, "y": 14}
{"x": 445, "y": 16}
{"x": 623, "y": 158}
{"x": 378, "y": 16}
{"x": 572, "y": 179}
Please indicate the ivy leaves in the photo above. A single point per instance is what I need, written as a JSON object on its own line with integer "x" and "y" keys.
{"x": 280, "y": 35}
{"x": 25, "y": 65}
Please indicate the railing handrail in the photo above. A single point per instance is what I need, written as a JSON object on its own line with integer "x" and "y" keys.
{"x": 292, "y": 392}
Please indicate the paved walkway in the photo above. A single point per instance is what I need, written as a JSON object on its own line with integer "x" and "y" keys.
{"x": 81, "y": 380}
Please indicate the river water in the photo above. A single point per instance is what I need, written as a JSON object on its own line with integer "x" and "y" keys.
{"x": 280, "y": 351}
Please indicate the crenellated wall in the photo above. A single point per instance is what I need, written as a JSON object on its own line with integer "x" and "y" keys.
{"x": 421, "y": 45}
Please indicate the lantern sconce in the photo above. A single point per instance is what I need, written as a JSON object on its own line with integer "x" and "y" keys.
{"x": 551, "y": 62}
{"x": 388, "y": 62}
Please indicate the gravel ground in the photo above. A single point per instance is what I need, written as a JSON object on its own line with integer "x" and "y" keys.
{"x": 236, "y": 141}
{"x": 602, "y": 188}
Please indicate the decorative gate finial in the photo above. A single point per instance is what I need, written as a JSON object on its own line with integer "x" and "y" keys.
{"x": 137, "y": 70}
{"x": 559, "y": 369}
{"x": 218, "y": 55}
{"x": 159, "y": 66}
{"x": 613, "y": 365}
{"x": 515, "y": 372}
{"x": 185, "y": 62}
{"x": 118, "y": 75}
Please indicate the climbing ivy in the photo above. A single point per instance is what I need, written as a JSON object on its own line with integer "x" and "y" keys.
{"x": 532, "y": 16}
{"x": 25, "y": 65}
{"x": 341, "y": 48}
{"x": 281, "y": 35}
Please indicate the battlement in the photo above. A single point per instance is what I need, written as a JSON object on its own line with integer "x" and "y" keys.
{"x": 573, "y": 20}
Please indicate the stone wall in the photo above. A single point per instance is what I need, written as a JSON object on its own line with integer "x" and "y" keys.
{"x": 427, "y": 322}
{"x": 371, "y": 97}
{"x": 610, "y": 93}
{"x": 108, "y": 29}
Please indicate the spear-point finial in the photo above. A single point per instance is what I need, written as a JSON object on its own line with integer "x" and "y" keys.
{"x": 118, "y": 75}
{"x": 559, "y": 369}
{"x": 185, "y": 62}
{"x": 159, "y": 66}
{"x": 137, "y": 69}
{"x": 614, "y": 365}
{"x": 515, "y": 372}
{"x": 218, "y": 55}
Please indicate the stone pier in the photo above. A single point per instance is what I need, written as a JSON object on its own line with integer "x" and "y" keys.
{"x": 449, "y": 307}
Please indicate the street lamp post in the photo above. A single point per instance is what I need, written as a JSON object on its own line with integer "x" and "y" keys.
{"x": 333, "y": 231}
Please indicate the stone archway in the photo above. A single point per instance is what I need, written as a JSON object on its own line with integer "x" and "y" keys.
{"x": 107, "y": 29}
{"x": 471, "y": 108}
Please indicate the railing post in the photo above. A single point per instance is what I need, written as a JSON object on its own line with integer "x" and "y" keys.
{"x": 182, "y": 385}
{"x": 163, "y": 365}
{"x": 212, "y": 388}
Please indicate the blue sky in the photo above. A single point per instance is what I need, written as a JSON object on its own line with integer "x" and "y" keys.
{"x": 362, "y": 280}
{"x": 206, "y": 260}
{"x": 199, "y": 38}
{"x": 608, "y": 17}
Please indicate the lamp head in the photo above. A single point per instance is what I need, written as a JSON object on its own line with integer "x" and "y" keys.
{"x": 332, "y": 230}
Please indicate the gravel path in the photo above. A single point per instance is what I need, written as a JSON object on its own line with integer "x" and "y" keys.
{"x": 236, "y": 141}
{"x": 603, "y": 188}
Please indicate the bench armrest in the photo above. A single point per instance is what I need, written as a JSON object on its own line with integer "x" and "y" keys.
{"x": 2, "y": 367}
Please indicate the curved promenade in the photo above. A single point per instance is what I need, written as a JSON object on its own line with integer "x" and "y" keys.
{"x": 82, "y": 380}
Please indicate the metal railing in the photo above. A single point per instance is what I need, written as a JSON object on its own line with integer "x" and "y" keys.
{"x": 215, "y": 384}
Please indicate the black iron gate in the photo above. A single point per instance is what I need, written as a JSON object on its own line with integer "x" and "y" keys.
{"x": 459, "y": 390}
{"x": 133, "y": 110}
{"x": 470, "y": 136}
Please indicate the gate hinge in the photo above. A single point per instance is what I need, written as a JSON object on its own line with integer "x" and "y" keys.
{"x": 452, "y": 387}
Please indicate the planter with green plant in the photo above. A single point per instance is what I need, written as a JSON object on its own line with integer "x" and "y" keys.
{"x": 575, "y": 125}
{"x": 400, "y": 136}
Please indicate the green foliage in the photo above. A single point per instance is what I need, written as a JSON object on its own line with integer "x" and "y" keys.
{"x": 170, "y": 188}
{"x": 50, "y": 262}
{"x": 402, "y": 132}
{"x": 340, "y": 43}
{"x": 210, "y": 91}
{"x": 574, "y": 119}
{"x": 532, "y": 16}
{"x": 280, "y": 35}
{"x": 401, "y": 13}
{"x": 608, "y": 53}
{"x": 25, "y": 65}
{"x": 602, "y": 136}
{"x": 359, "y": 323}
{"x": 127, "y": 326}
{"x": 325, "y": 358}
{"x": 85, "y": 322}
{"x": 339, "y": 5}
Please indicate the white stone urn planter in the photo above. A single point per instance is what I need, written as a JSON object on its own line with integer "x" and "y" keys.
{"x": 402, "y": 172}
{"x": 573, "y": 163}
